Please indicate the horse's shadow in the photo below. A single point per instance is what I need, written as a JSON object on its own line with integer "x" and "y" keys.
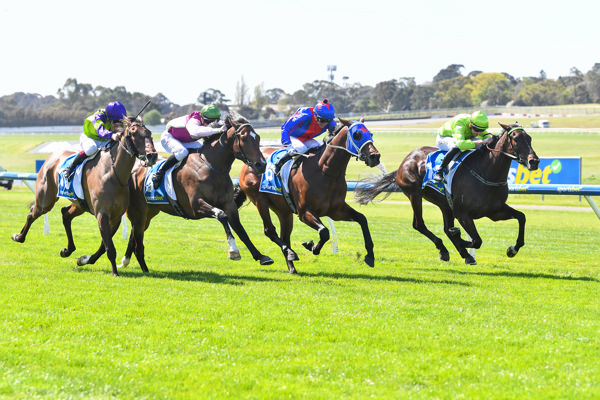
{"x": 382, "y": 278}
{"x": 197, "y": 276}
{"x": 511, "y": 274}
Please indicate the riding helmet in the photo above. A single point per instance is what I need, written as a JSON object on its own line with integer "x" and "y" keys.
{"x": 324, "y": 110}
{"x": 210, "y": 112}
{"x": 479, "y": 120}
{"x": 115, "y": 111}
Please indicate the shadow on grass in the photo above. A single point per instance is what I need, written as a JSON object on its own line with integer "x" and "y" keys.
{"x": 195, "y": 276}
{"x": 383, "y": 278}
{"x": 510, "y": 274}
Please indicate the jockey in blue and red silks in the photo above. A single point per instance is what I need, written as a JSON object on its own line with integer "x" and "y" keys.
{"x": 298, "y": 133}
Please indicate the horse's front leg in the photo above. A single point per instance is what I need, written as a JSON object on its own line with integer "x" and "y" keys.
{"x": 107, "y": 230}
{"x": 348, "y": 213}
{"x": 461, "y": 245}
{"x": 314, "y": 222}
{"x": 507, "y": 212}
{"x": 234, "y": 220}
{"x": 68, "y": 214}
{"x": 416, "y": 202}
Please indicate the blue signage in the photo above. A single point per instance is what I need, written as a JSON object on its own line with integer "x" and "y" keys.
{"x": 556, "y": 171}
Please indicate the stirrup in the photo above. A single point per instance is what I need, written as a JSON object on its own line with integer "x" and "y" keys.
{"x": 438, "y": 176}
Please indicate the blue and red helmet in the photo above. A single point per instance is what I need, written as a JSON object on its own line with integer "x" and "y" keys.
{"x": 115, "y": 111}
{"x": 324, "y": 110}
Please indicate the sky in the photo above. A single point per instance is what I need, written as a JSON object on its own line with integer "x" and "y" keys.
{"x": 182, "y": 48}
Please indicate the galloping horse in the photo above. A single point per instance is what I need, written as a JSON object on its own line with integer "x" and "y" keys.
{"x": 105, "y": 186}
{"x": 203, "y": 188}
{"x": 317, "y": 188}
{"x": 479, "y": 189}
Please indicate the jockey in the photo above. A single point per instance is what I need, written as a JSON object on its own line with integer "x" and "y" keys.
{"x": 298, "y": 132}
{"x": 463, "y": 132}
{"x": 98, "y": 130}
{"x": 182, "y": 133}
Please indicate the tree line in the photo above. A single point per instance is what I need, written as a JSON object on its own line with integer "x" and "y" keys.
{"x": 449, "y": 88}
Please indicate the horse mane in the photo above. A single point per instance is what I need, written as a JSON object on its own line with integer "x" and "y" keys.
{"x": 228, "y": 120}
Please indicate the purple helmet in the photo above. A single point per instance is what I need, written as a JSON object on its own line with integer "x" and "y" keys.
{"x": 115, "y": 111}
{"x": 324, "y": 110}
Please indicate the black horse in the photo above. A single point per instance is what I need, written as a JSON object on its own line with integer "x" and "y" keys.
{"x": 479, "y": 189}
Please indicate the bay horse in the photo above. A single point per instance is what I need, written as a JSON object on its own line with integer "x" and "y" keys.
{"x": 203, "y": 188}
{"x": 104, "y": 181}
{"x": 317, "y": 188}
{"x": 479, "y": 189}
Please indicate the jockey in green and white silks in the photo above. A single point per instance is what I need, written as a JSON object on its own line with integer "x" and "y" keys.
{"x": 461, "y": 133}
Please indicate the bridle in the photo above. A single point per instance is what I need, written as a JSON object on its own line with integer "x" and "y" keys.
{"x": 350, "y": 142}
{"x": 240, "y": 155}
{"x": 513, "y": 155}
{"x": 129, "y": 146}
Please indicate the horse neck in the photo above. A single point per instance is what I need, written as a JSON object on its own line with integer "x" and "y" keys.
{"x": 334, "y": 160}
{"x": 219, "y": 154}
{"x": 495, "y": 166}
{"x": 122, "y": 162}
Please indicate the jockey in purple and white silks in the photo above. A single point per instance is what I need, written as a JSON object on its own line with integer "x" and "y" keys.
{"x": 298, "y": 133}
{"x": 98, "y": 131}
{"x": 182, "y": 134}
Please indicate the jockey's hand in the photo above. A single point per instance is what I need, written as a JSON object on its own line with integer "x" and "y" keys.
{"x": 116, "y": 137}
{"x": 223, "y": 129}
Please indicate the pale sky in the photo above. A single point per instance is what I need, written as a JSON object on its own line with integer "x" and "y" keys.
{"x": 181, "y": 48}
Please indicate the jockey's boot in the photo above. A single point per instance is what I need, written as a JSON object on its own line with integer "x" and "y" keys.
{"x": 282, "y": 161}
{"x": 159, "y": 175}
{"x": 439, "y": 175}
{"x": 70, "y": 171}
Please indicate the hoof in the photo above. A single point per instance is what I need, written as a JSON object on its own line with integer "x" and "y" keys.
{"x": 264, "y": 260}
{"x": 444, "y": 256}
{"x": 370, "y": 261}
{"x": 83, "y": 260}
{"x": 124, "y": 262}
{"x": 309, "y": 245}
{"x": 17, "y": 238}
{"x": 291, "y": 268}
{"x": 290, "y": 255}
{"x": 234, "y": 255}
{"x": 469, "y": 260}
{"x": 511, "y": 251}
{"x": 65, "y": 252}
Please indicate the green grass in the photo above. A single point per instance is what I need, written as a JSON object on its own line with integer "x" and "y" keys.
{"x": 202, "y": 326}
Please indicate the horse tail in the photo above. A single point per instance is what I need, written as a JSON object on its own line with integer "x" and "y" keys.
{"x": 372, "y": 186}
{"x": 239, "y": 197}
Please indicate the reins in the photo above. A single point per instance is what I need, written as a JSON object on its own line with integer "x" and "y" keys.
{"x": 509, "y": 155}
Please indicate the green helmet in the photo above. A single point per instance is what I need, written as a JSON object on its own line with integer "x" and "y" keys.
{"x": 479, "y": 120}
{"x": 210, "y": 112}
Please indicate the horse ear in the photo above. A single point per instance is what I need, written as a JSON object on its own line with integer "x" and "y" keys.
{"x": 505, "y": 127}
{"x": 345, "y": 121}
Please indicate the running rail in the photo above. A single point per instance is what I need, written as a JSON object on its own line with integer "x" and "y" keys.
{"x": 568, "y": 190}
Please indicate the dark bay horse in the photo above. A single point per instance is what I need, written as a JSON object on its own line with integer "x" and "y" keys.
{"x": 318, "y": 188}
{"x": 479, "y": 189}
{"x": 203, "y": 188}
{"x": 105, "y": 186}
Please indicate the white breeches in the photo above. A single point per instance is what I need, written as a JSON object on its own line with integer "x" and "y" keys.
{"x": 302, "y": 147}
{"x": 91, "y": 146}
{"x": 445, "y": 142}
{"x": 177, "y": 148}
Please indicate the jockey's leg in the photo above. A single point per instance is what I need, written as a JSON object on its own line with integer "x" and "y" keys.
{"x": 439, "y": 175}
{"x": 70, "y": 171}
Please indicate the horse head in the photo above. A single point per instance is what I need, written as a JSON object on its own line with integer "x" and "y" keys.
{"x": 359, "y": 142}
{"x": 246, "y": 142}
{"x": 136, "y": 139}
{"x": 517, "y": 145}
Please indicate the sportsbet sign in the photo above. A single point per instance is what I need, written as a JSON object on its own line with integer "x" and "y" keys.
{"x": 557, "y": 171}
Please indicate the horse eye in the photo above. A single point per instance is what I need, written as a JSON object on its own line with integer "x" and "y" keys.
{"x": 357, "y": 135}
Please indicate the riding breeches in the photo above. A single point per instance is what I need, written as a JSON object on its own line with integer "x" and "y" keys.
{"x": 177, "y": 148}
{"x": 302, "y": 147}
{"x": 91, "y": 146}
{"x": 445, "y": 142}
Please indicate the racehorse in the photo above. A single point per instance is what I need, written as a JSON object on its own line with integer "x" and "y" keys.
{"x": 104, "y": 182}
{"x": 317, "y": 188}
{"x": 479, "y": 189}
{"x": 203, "y": 188}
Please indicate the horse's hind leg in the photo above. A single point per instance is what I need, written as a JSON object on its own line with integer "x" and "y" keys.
{"x": 37, "y": 210}
{"x": 419, "y": 225}
{"x": 68, "y": 214}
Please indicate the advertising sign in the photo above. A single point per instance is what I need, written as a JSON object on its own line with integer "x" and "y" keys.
{"x": 556, "y": 171}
